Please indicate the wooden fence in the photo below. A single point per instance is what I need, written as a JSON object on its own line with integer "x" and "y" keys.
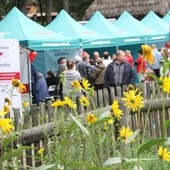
{"x": 38, "y": 118}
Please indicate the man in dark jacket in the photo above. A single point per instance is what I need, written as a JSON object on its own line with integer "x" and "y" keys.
{"x": 119, "y": 72}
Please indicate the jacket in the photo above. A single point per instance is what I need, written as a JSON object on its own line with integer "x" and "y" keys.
{"x": 70, "y": 76}
{"x": 98, "y": 73}
{"x": 128, "y": 75}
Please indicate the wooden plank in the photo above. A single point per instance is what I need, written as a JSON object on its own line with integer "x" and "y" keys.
{"x": 37, "y": 146}
{"x": 148, "y": 90}
{"x": 157, "y": 125}
{"x": 106, "y": 97}
{"x": 17, "y": 119}
{"x": 34, "y": 113}
{"x": 118, "y": 91}
{"x": 100, "y": 98}
{"x": 42, "y": 113}
{"x": 49, "y": 111}
{"x": 28, "y": 153}
{"x": 161, "y": 125}
{"x": 112, "y": 93}
{"x": 95, "y": 100}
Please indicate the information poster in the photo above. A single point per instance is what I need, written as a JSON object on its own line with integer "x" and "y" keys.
{"x": 9, "y": 69}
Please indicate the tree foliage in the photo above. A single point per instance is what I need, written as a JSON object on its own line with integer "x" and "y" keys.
{"x": 75, "y": 8}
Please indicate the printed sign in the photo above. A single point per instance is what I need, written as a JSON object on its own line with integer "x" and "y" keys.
{"x": 9, "y": 69}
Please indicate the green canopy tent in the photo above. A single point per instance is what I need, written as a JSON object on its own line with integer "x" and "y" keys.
{"x": 49, "y": 44}
{"x": 147, "y": 34}
{"x": 154, "y": 21}
{"x": 105, "y": 27}
{"x": 167, "y": 17}
{"x": 66, "y": 25}
{"x": 16, "y": 25}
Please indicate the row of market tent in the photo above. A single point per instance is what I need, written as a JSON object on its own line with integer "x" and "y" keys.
{"x": 66, "y": 33}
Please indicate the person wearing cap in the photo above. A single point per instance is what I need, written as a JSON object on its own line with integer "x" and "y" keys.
{"x": 129, "y": 58}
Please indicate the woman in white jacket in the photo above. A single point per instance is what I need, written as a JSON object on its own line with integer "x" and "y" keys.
{"x": 71, "y": 75}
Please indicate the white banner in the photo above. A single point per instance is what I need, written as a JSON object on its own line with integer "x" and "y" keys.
{"x": 9, "y": 69}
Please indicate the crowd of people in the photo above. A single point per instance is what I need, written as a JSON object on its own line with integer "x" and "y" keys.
{"x": 101, "y": 71}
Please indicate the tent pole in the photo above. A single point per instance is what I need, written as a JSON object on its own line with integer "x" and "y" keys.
{"x": 29, "y": 78}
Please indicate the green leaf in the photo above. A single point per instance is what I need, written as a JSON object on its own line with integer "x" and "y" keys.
{"x": 8, "y": 140}
{"x": 111, "y": 161}
{"x": 44, "y": 167}
{"x": 130, "y": 138}
{"x": 79, "y": 124}
{"x": 13, "y": 153}
{"x": 150, "y": 144}
{"x": 98, "y": 122}
{"x": 167, "y": 123}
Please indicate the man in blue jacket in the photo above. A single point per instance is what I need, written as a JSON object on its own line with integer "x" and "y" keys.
{"x": 119, "y": 72}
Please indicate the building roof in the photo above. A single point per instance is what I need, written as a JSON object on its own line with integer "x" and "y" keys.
{"x": 114, "y": 8}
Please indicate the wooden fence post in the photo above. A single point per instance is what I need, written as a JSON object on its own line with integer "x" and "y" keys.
{"x": 125, "y": 120}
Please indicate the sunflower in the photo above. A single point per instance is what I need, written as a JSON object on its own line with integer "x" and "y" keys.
{"x": 2, "y": 112}
{"x": 6, "y": 109}
{"x": 41, "y": 151}
{"x": 133, "y": 100}
{"x": 15, "y": 82}
{"x": 58, "y": 103}
{"x": 115, "y": 109}
{"x": 147, "y": 53}
{"x": 91, "y": 118}
{"x": 165, "y": 82}
{"x": 76, "y": 85}
{"x": 85, "y": 84}
{"x": 110, "y": 120}
{"x": 67, "y": 101}
{"x": 22, "y": 88}
{"x": 164, "y": 154}
{"x": 124, "y": 133}
{"x": 6, "y": 125}
{"x": 84, "y": 101}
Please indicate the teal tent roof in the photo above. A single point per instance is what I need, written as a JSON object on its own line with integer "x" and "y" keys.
{"x": 66, "y": 25}
{"x": 148, "y": 34}
{"x": 105, "y": 27}
{"x": 154, "y": 21}
{"x": 167, "y": 17}
{"x": 31, "y": 34}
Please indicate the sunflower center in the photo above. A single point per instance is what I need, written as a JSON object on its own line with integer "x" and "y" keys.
{"x": 132, "y": 101}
